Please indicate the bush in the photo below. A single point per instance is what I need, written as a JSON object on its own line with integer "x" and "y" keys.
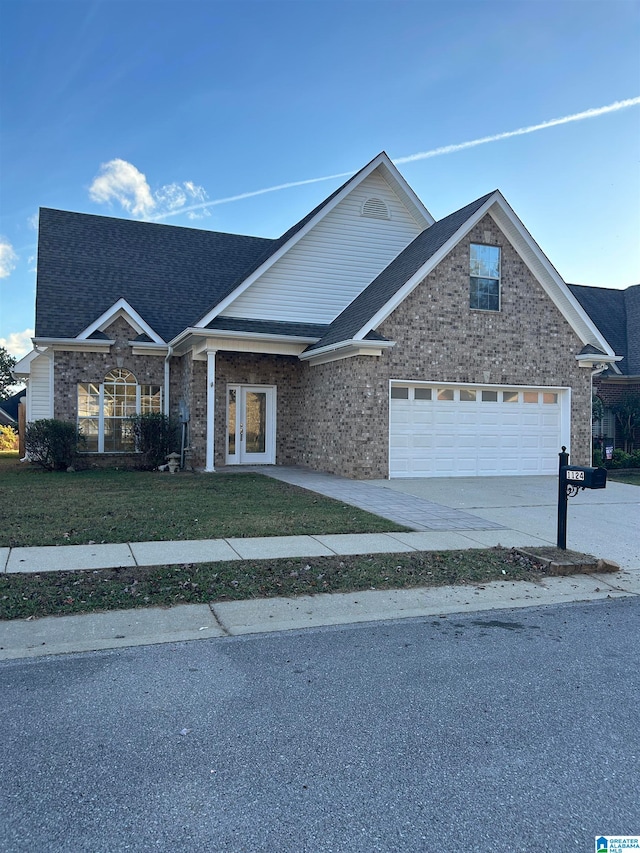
{"x": 52, "y": 444}
{"x": 8, "y": 438}
{"x": 598, "y": 460}
{"x": 155, "y": 437}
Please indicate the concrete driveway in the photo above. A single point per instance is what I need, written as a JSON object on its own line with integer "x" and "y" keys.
{"x": 604, "y": 522}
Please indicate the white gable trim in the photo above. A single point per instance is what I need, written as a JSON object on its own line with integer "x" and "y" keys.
{"x": 22, "y": 368}
{"x": 400, "y": 295}
{"x": 535, "y": 259}
{"x": 345, "y": 349}
{"x": 392, "y": 177}
{"x": 121, "y": 308}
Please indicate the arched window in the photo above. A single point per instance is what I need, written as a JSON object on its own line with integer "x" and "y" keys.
{"x": 104, "y": 410}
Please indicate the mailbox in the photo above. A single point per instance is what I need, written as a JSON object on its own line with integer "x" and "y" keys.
{"x": 585, "y": 478}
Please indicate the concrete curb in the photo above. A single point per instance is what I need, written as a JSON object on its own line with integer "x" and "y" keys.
{"x": 54, "y": 635}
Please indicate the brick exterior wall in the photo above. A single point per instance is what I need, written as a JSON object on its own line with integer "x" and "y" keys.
{"x": 438, "y": 338}
{"x": 72, "y": 367}
{"x": 335, "y": 417}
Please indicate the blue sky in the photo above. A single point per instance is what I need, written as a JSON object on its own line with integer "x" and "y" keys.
{"x": 148, "y": 109}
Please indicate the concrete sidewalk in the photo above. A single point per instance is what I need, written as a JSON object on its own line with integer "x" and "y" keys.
{"x": 117, "y": 629}
{"x": 56, "y": 558}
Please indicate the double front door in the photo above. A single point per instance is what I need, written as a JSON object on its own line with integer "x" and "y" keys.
{"x": 251, "y": 425}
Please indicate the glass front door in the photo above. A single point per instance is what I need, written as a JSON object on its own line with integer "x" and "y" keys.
{"x": 250, "y": 425}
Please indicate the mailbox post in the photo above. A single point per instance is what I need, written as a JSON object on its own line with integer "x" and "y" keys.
{"x": 571, "y": 478}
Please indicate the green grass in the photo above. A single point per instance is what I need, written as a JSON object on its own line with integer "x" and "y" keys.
{"x": 58, "y": 593}
{"x": 60, "y": 508}
{"x": 630, "y": 477}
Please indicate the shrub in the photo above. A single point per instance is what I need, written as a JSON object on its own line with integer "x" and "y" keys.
{"x": 620, "y": 459}
{"x": 8, "y": 438}
{"x": 155, "y": 436}
{"x": 52, "y": 444}
{"x": 598, "y": 460}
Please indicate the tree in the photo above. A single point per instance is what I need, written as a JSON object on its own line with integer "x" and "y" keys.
{"x": 7, "y": 361}
{"x": 627, "y": 413}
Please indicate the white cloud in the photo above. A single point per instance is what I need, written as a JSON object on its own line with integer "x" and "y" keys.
{"x": 33, "y": 220}
{"x": 122, "y": 182}
{"x": 8, "y": 258}
{"x": 18, "y": 343}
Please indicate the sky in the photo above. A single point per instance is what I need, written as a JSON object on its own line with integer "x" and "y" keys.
{"x": 186, "y": 111}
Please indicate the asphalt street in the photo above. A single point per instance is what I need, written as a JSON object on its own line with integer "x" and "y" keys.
{"x": 513, "y": 730}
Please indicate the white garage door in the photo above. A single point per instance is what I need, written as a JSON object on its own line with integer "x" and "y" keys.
{"x": 455, "y": 431}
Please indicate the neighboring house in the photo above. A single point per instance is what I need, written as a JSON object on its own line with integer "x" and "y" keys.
{"x": 9, "y": 409}
{"x": 368, "y": 341}
{"x": 617, "y": 315}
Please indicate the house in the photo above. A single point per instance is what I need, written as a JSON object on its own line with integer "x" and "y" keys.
{"x": 617, "y": 314}
{"x": 368, "y": 340}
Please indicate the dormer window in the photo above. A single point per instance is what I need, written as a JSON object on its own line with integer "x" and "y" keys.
{"x": 376, "y": 208}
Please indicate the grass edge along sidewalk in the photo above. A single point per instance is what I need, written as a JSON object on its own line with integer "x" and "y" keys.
{"x": 109, "y": 506}
{"x": 28, "y": 596}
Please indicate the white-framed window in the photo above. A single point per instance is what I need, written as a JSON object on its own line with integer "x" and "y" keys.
{"x": 484, "y": 271}
{"x": 105, "y": 407}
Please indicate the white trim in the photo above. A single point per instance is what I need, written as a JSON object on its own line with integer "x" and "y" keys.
{"x": 211, "y": 410}
{"x": 240, "y": 457}
{"x": 141, "y": 348}
{"x": 388, "y": 172}
{"x": 229, "y": 340}
{"x": 23, "y": 366}
{"x": 121, "y": 308}
{"x": 539, "y": 265}
{"x": 64, "y": 344}
{"x": 345, "y": 349}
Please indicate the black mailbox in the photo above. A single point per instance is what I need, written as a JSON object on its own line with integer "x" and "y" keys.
{"x": 585, "y": 478}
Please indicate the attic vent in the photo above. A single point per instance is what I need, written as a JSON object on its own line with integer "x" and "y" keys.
{"x": 377, "y": 208}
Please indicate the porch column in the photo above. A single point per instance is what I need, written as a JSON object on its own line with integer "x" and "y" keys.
{"x": 211, "y": 409}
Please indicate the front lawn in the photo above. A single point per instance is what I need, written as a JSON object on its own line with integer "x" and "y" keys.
{"x": 45, "y": 508}
{"x": 630, "y": 477}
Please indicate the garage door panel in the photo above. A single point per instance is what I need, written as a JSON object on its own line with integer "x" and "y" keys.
{"x": 469, "y": 438}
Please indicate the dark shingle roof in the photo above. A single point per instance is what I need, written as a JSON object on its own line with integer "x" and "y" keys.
{"x": 268, "y": 327}
{"x": 169, "y": 275}
{"x": 10, "y": 405}
{"x": 616, "y": 313}
{"x": 395, "y": 275}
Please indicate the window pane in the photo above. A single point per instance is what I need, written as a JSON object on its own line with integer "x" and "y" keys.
{"x": 485, "y": 261}
{"x": 509, "y": 396}
{"x": 445, "y": 393}
{"x": 422, "y": 393}
{"x": 548, "y": 397}
{"x": 399, "y": 393}
{"x": 484, "y": 294}
{"x": 150, "y": 399}
{"x": 89, "y": 429}
{"x": 117, "y": 436}
{"x": 489, "y": 396}
{"x": 467, "y": 395}
{"x": 530, "y": 396}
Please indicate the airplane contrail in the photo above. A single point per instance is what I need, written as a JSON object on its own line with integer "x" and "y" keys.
{"x": 423, "y": 155}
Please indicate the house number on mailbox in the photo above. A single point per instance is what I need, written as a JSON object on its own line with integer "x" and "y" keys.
{"x": 575, "y": 475}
